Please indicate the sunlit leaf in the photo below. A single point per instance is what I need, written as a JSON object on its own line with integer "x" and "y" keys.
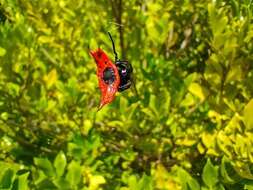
{"x": 23, "y": 181}
{"x": 198, "y": 91}
{"x": 226, "y": 171}
{"x": 96, "y": 181}
{"x": 51, "y": 78}
{"x": 247, "y": 114}
{"x": 210, "y": 174}
{"x": 45, "y": 165}
{"x": 187, "y": 181}
{"x": 2, "y": 51}
{"x": 74, "y": 173}
{"x": 60, "y": 163}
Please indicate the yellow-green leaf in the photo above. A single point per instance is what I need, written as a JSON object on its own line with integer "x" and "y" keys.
{"x": 247, "y": 115}
{"x": 198, "y": 91}
{"x": 208, "y": 139}
{"x": 45, "y": 39}
{"x": 200, "y": 148}
{"x": 210, "y": 174}
{"x": 51, "y": 78}
{"x": 87, "y": 125}
{"x": 2, "y": 51}
{"x": 96, "y": 181}
{"x": 60, "y": 163}
{"x": 185, "y": 142}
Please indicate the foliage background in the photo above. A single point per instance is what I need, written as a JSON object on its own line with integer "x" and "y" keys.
{"x": 188, "y": 127}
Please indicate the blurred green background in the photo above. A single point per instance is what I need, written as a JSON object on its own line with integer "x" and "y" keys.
{"x": 188, "y": 127}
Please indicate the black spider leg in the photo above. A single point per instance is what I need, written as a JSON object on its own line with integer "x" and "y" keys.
{"x": 113, "y": 46}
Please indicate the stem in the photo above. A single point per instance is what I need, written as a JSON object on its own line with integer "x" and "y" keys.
{"x": 121, "y": 31}
{"x": 117, "y": 13}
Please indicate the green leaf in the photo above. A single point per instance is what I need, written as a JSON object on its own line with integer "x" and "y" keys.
{"x": 87, "y": 126}
{"x": 247, "y": 115}
{"x": 60, "y": 163}
{"x": 62, "y": 183}
{"x": 2, "y": 52}
{"x": 47, "y": 185}
{"x": 45, "y": 165}
{"x": 23, "y": 181}
{"x": 132, "y": 182}
{"x": 45, "y": 39}
{"x": 188, "y": 100}
{"x": 153, "y": 104}
{"x": 224, "y": 172}
{"x": 145, "y": 183}
{"x": 190, "y": 79}
{"x": 7, "y": 179}
{"x": 148, "y": 112}
{"x": 210, "y": 174}
{"x": 4, "y": 116}
{"x": 167, "y": 102}
{"x": 249, "y": 36}
{"x": 131, "y": 110}
{"x": 219, "y": 187}
{"x": 248, "y": 187}
{"x": 244, "y": 171}
{"x": 96, "y": 181}
{"x": 193, "y": 184}
{"x": 187, "y": 181}
{"x": 217, "y": 21}
{"x": 13, "y": 88}
{"x": 198, "y": 91}
{"x": 123, "y": 104}
{"x": 51, "y": 78}
{"x": 74, "y": 173}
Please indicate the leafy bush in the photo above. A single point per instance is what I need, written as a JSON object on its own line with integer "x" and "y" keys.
{"x": 189, "y": 126}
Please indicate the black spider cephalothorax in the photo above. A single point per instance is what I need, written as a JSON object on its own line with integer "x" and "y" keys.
{"x": 125, "y": 70}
